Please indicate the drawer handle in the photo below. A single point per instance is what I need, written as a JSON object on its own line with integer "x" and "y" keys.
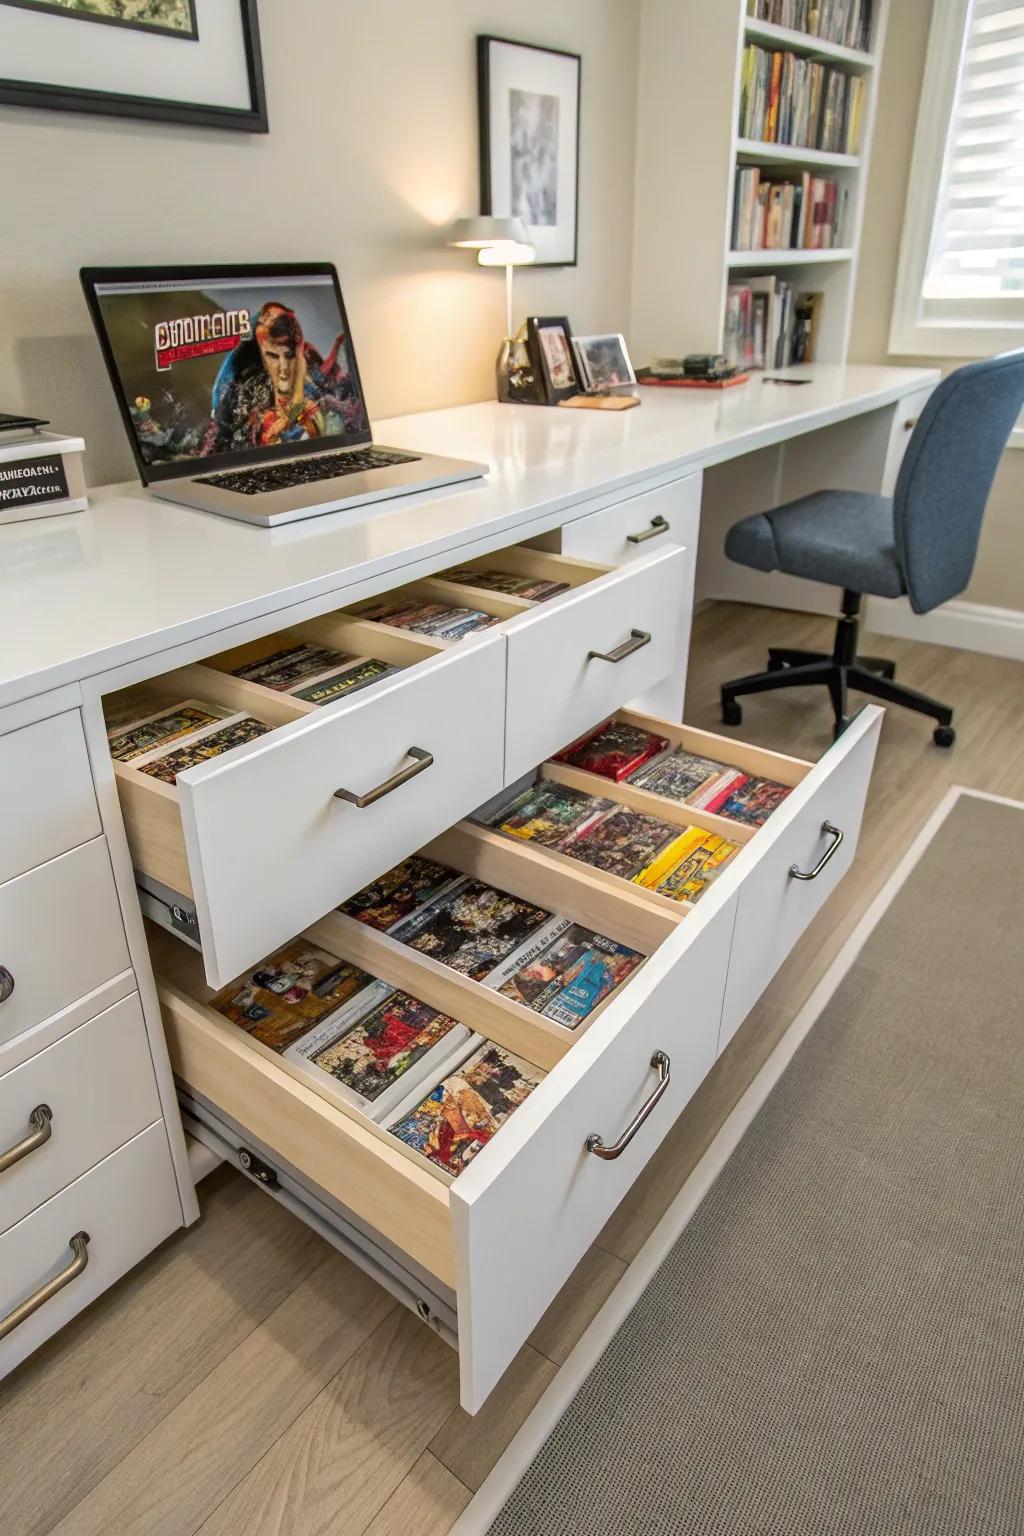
{"x": 638, "y": 638}
{"x": 40, "y": 1120}
{"x": 910, "y": 423}
{"x": 6, "y": 983}
{"x": 594, "y": 1143}
{"x": 833, "y": 847}
{"x": 80, "y": 1248}
{"x": 658, "y": 525}
{"x": 422, "y": 762}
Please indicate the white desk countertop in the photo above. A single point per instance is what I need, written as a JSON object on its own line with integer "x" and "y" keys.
{"x": 88, "y": 591}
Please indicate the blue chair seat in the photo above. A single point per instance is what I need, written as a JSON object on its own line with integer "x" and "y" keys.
{"x": 843, "y": 538}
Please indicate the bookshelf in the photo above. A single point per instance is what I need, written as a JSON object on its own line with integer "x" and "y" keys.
{"x": 688, "y": 151}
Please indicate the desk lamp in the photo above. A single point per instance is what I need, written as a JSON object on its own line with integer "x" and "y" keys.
{"x": 503, "y": 243}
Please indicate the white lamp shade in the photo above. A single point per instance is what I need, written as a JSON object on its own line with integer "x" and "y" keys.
{"x": 507, "y": 253}
{"x": 476, "y": 234}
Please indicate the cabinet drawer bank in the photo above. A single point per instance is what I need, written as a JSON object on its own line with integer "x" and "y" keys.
{"x": 443, "y": 734}
{"x": 497, "y": 1243}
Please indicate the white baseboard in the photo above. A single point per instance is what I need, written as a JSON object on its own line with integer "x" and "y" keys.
{"x": 968, "y": 626}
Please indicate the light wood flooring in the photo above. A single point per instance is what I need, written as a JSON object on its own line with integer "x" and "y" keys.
{"x": 248, "y": 1381}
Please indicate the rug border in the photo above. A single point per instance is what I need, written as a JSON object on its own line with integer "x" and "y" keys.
{"x": 507, "y": 1471}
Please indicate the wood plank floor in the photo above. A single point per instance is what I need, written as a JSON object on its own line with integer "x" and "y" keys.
{"x": 247, "y": 1381}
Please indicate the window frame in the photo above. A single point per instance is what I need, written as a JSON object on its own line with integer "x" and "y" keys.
{"x": 912, "y": 332}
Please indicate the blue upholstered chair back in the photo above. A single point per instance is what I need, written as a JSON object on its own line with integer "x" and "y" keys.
{"x": 947, "y": 473}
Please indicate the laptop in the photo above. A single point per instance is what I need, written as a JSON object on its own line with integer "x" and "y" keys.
{"x": 239, "y": 390}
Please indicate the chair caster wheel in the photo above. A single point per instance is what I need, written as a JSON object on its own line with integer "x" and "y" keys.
{"x": 944, "y": 735}
{"x": 732, "y": 713}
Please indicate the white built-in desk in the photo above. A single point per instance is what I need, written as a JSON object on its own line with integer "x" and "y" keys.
{"x": 254, "y": 847}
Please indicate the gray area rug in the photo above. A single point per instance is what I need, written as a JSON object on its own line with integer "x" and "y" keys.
{"x": 836, "y": 1342}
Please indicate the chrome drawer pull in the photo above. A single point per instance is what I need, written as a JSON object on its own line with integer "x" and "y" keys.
{"x": 658, "y": 525}
{"x": 6, "y": 983}
{"x": 40, "y": 1120}
{"x": 638, "y": 638}
{"x": 422, "y": 763}
{"x": 594, "y": 1143}
{"x": 812, "y": 874}
{"x": 80, "y": 1248}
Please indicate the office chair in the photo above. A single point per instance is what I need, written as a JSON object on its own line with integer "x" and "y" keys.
{"x": 920, "y": 543}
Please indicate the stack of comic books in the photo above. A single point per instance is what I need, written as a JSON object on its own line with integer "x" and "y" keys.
{"x": 616, "y": 750}
{"x": 677, "y": 862}
{"x": 546, "y": 962}
{"x": 358, "y": 1041}
{"x": 180, "y": 736}
{"x": 711, "y": 786}
{"x": 318, "y": 674}
{"x": 531, "y": 587}
{"x": 443, "y": 621}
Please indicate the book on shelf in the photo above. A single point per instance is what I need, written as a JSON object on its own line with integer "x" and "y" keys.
{"x": 847, "y": 22}
{"x": 786, "y": 99}
{"x": 768, "y": 324}
{"x": 780, "y": 211}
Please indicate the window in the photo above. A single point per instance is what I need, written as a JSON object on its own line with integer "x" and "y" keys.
{"x": 960, "y": 287}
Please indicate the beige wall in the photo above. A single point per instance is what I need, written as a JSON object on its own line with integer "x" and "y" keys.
{"x": 999, "y": 573}
{"x": 372, "y": 151}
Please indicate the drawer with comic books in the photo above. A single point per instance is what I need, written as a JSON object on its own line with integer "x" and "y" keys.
{"x": 303, "y": 762}
{"x": 477, "y": 1052}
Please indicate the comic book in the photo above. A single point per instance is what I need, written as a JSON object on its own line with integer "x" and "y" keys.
{"x": 471, "y": 927}
{"x": 440, "y": 619}
{"x": 207, "y": 743}
{"x": 288, "y": 993}
{"x": 339, "y": 684}
{"x": 549, "y": 813}
{"x": 531, "y": 587}
{"x": 575, "y": 972}
{"x": 614, "y": 750}
{"x": 623, "y": 842}
{"x": 686, "y": 868}
{"x": 678, "y": 775}
{"x": 752, "y": 801}
{"x": 173, "y": 724}
{"x": 466, "y": 1109}
{"x": 284, "y": 670}
{"x": 401, "y": 891}
{"x": 372, "y": 1057}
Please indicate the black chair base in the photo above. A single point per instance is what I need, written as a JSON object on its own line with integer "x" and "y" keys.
{"x": 839, "y": 673}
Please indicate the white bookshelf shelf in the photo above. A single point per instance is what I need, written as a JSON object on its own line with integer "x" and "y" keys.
{"x": 766, "y": 34}
{"x": 788, "y": 258}
{"x": 793, "y": 154}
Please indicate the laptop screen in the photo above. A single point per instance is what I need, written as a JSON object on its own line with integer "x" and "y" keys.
{"x": 225, "y": 366}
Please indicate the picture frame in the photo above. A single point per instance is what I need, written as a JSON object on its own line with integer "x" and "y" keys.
{"x": 549, "y": 340}
{"x": 205, "y": 66}
{"x": 604, "y": 361}
{"x": 529, "y": 106}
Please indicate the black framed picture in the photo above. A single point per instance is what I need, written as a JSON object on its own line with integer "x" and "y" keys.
{"x": 186, "y": 61}
{"x": 549, "y": 339}
{"x": 530, "y": 142}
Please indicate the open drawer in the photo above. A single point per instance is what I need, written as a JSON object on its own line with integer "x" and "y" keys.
{"x": 270, "y": 834}
{"x": 502, "y": 1238}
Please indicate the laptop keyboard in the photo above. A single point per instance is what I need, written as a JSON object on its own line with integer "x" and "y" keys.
{"x": 320, "y": 466}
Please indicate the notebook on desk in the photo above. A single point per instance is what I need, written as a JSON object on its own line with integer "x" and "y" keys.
{"x": 240, "y": 393}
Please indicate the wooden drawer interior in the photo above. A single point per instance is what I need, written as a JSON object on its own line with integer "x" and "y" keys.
{"x": 756, "y": 761}
{"x": 389, "y": 1185}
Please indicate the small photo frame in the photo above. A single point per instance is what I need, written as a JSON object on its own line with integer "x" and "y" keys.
{"x": 549, "y": 339}
{"x": 603, "y": 362}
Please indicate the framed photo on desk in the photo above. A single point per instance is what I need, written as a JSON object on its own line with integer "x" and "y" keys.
{"x": 189, "y": 61}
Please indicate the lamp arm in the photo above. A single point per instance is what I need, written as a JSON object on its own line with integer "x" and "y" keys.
{"x": 508, "y": 300}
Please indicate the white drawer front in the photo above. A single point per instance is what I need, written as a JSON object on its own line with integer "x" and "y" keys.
{"x": 61, "y": 935}
{"x": 556, "y": 689}
{"x": 46, "y": 792}
{"x": 669, "y": 514}
{"x": 774, "y": 907}
{"x": 99, "y": 1088}
{"x": 523, "y": 1217}
{"x": 127, "y": 1204}
{"x": 905, "y": 420}
{"x": 270, "y": 847}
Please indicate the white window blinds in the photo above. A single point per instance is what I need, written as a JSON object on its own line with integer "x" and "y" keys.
{"x": 975, "y": 266}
